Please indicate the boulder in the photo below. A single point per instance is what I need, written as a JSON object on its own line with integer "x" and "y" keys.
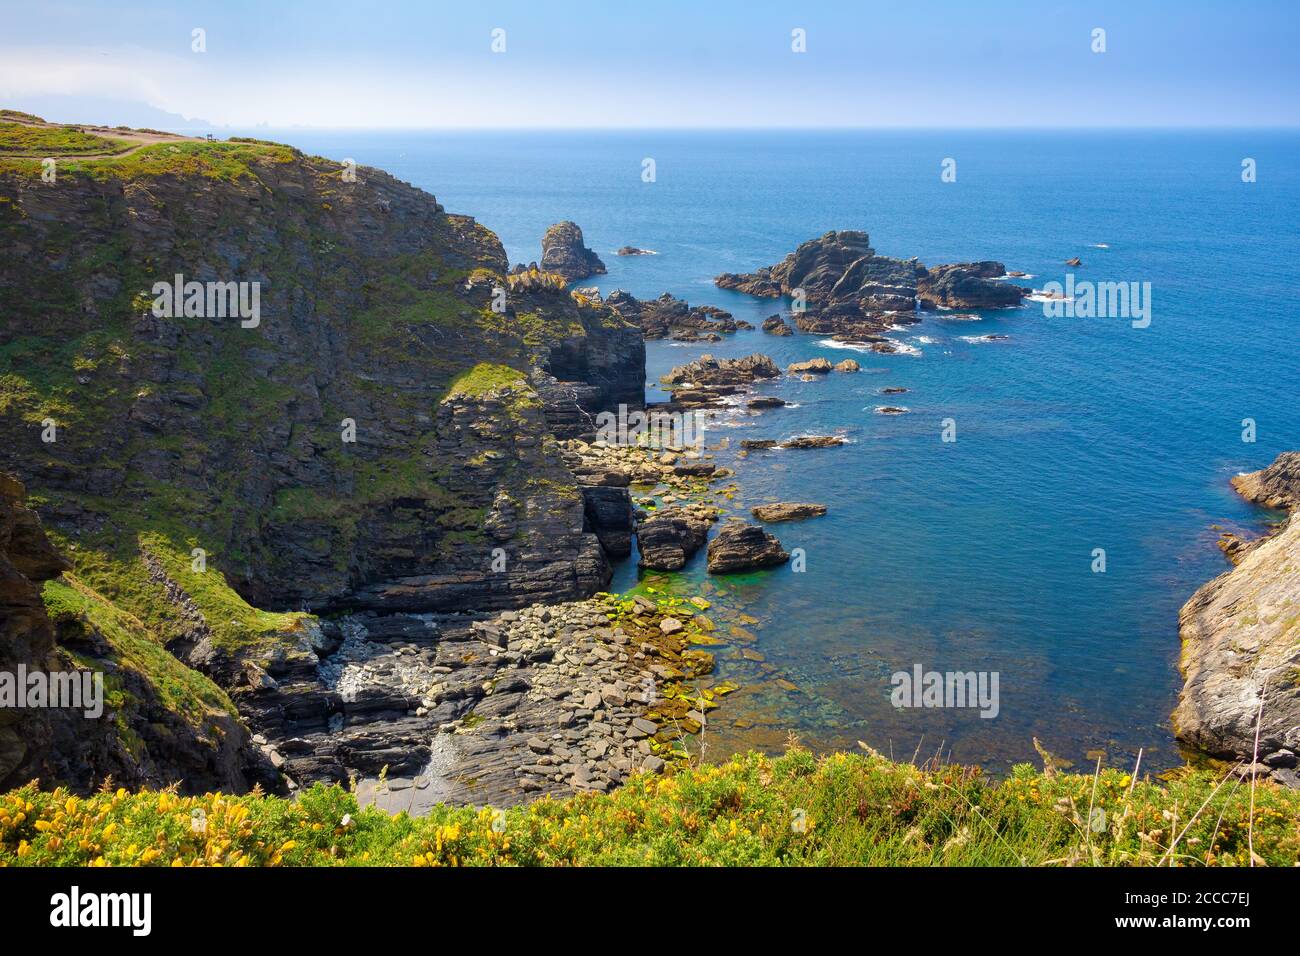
{"x": 776, "y": 325}
{"x": 739, "y": 546}
{"x": 669, "y": 538}
{"x": 816, "y": 366}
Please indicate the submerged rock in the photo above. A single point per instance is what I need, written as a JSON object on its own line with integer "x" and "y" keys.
{"x": 787, "y": 511}
{"x": 813, "y": 441}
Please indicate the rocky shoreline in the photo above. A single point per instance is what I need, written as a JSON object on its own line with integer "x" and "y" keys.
{"x": 1241, "y": 643}
{"x": 549, "y": 700}
{"x": 411, "y": 535}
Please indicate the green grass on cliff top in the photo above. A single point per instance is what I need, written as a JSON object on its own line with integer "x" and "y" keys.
{"x": 794, "y": 810}
{"x": 223, "y": 160}
{"x": 18, "y": 139}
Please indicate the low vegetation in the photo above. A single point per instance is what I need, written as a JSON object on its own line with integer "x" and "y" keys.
{"x": 793, "y": 810}
{"x": 19, "y": 139}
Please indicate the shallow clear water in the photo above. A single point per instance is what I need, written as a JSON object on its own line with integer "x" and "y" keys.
{"x": 1074, "y": 434}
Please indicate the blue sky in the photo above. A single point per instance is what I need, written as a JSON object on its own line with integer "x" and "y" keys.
{"x": 580, "y": 63}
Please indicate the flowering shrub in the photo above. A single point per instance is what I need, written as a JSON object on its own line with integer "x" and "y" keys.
{"x": 843, "y": 809}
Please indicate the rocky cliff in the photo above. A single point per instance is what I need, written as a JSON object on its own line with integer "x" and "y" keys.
{"x": 355, "y": 410}
{"x": 376, "y": 434}
{"x": 1241, "y": 644}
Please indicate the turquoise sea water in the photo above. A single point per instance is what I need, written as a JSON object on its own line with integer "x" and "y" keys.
{"x": 1074, "y": 434}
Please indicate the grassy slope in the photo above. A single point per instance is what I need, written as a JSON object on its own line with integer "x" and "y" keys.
{"x": 754, "y": 810}
{"x": 74, "y": 607}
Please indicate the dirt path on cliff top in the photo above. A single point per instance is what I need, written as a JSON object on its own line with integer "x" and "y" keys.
{"x": 140, "y": 137}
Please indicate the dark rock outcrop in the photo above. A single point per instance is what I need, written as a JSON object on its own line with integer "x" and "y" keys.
{"x": 611, "y": 516}
{"x": 668, "y": 316}
{"x": 968, "y": 285}
{"x": 739, "y": 546}
{"x": 776, "y": 325}
{"x": 563, "y": 253}
{"x": 669, "y": 538}
{"x": 851, "y": 292}
{"x": 706, "y": 370}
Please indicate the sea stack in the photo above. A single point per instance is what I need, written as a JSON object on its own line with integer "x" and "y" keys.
{"x": 564, "y": 253}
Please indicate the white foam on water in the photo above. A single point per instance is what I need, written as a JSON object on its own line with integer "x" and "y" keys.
{"x": 900, "y": 348}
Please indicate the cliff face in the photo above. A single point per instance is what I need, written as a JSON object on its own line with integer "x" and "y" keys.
{"x": 1241, "y": 646}
{"x": 372, "y": 439}
{"x": 372, "y": 429}
{"x": 161, "y": 722}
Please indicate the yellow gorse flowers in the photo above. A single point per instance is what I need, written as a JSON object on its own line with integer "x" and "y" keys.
{"x": 849, "y": 809}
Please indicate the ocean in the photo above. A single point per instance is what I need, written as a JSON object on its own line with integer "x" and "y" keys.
{"x": 1073, "y": 434}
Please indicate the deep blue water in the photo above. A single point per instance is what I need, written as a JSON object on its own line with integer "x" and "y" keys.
{"x": 1074, "y": 434}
